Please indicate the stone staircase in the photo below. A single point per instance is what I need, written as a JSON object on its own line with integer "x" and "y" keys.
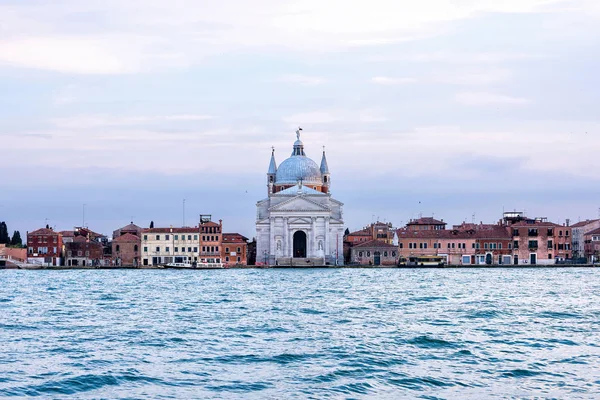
{"x": 300, "y": 262}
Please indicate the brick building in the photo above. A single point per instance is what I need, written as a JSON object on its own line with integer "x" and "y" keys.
{"x": 592, "y": 246}
{"x": 455, "y": 245}
{"x": 579, "y": 230}
{"x": 126, "y": 250}
{"x": 82, "y": 252}
{"x": 234, "y": 249}
{"x": 44, "y": 246}
{"x": 132, "y": 229}
{"x": 537, "y": 241}
{"x": 211, "y": 238}
{"x": 426, "y": 224}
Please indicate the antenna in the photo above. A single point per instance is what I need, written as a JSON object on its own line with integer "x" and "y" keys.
{"x": 83, "y": 218}
{"x": 183, "y": 213}
{"x": 473, "y": 218}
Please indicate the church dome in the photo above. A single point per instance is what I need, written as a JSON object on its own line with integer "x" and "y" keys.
{"x": 296, "y": 168}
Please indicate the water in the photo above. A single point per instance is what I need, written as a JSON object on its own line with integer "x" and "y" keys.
{"x": 339, "y": 333}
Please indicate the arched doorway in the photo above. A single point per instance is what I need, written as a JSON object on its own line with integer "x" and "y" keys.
{"x": 300, "y": 244}
{"x": 488, "y": 259}
{"x": 377, "y": 258}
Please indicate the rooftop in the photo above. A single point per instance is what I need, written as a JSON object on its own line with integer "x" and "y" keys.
{"x": 376, "y": 243}
{"x": 426, "y": 221}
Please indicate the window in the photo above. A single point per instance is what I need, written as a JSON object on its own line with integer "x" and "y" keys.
{"x": 559, "y": 233}
{"x": 145, "y": 249}
{"x": 393, "y": 254}
{"x": 360, "y": 253}
{"x": 145, "y": 237}
{"x": 166, "y": 237}
{"x": 189, "y": 237}
{"x": 385, "y": 253}
{"x": 176, "y": 237}
{"x": 118, "y": 248}
{"x": 472, "y": 245}
{"x": 453, "y": 245}
{"x": 226, "y": 249}
{"x": 424, "y": 245}
{"x": 401, "y": 245}
{"x": 227, "y": 259}
{"x": 448, "y": 245}
{"x": 157, "y": 237}
{"x": 533, "y": 244}
{"x": 510, "y": 247}
{"x": 195, "y": 237}
{"x": 485, "y": 245}
{"x": 516, "y": 244}
{"x": 239, "y": 259}
{"x": 167, "y": 249}
{"x": 566, "y": 233}
{"x": 550, "y": 232}
{"x": 203, "y": 248}
{"x": 368, "y": 254}
{"x": 515, "y": 232}
{"x": 157, "y": 249}
{"x": 195, "y": 249}
{"x": 189, "y": 249}
{"x": 176, "y": 249}
{"x": 549, "y": 245}
{"x": 500, "y": 246}
{"x": 549, "y": 256}
{"x": 533, "y": 232}
{"x": 420, "y": 245}
{"x": 239, "y": 249}
{"x": 87, "y": 253}
{"x": 79, "y": 253}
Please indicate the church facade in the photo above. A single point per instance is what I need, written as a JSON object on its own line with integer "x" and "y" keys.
{"x": 299, "y": 223}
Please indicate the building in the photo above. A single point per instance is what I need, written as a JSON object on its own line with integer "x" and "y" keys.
{"x": 12, "y": 253}
{"x": 44, "y": 246}
{"x": 235, "y": 249}
{"x": 126, "y": 250}
{"x": 537, "y": 241}
{"x": 132, "y": 229}
{"x": 425, "y": 224}
{"x": 375, "y": 252}
{"x": 579, "y": 230}
{"x": 592, "y": 245}
{"x": 211, "y": 239}
{"x": 382, "y": 231}
{"x": 82, "y": 252}
{"x": 299, "y": 223}
{"x": 166, "y": 245}
{"x": 454, "y": 245}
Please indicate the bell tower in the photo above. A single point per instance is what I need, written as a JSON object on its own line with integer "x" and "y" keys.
{"x": 325, "y": 173}
{"x": 272, "y": 172}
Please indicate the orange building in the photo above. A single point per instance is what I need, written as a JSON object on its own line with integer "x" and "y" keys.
{"x": 537, "y": 241}
{"x": 235, "y": 249}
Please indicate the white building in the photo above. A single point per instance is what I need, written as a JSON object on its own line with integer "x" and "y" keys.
{"x": 299, "y": 223}
{"x": 579, "y": 230}
{"x": 166, "y": 245}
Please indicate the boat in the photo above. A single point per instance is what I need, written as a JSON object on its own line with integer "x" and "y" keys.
{"x": 202, "y": 264}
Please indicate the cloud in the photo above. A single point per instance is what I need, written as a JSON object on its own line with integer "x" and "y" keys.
{"x": 101, "y": 121}
{"x": 116, "y": 37}
{"x": 385, "y": 80}
{"x": 486, "y": 99}
{"x": 300, "y": 79}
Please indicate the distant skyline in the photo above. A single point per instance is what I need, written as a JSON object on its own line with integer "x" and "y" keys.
{"x": 450, "y": 109}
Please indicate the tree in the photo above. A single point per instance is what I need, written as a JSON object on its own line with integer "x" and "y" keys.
{"x": 347, "y": 232}
{"x": 16, "y": 239}
{"x": 151, "y": 224}
{"x": 4, "y": 238}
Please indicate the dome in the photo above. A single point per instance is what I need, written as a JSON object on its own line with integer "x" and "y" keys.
{"x": 298, "y": 168}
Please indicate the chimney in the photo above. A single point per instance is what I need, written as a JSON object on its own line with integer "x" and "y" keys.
{"x": 568, "y": 222}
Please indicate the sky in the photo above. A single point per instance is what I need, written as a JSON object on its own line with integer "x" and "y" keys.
{"x": 458, "y": 109}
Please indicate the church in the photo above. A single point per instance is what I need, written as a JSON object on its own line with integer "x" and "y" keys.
{"x": 299, "y": 223}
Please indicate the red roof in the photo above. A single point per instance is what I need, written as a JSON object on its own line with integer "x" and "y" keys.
{"x": 376, "y": 244}
{"x": 584, "y": 223}
{"x": 594, "y": 232}
{"x": 523, "y": 224}
{"x": 363, "y": 232}
{"x": 435, "y": 234}
{"x": 67, "y": 233}
{"x": 426, "y": 221}
{"x": 210, "y": 223}
{"x": 43, "y": 231}
{"x": 234, "y": 238}
{"x": 126, "y": 238}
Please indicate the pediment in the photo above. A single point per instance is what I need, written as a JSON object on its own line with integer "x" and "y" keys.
{"x": 300, "y": 221}
{"x": 299, "y": 203}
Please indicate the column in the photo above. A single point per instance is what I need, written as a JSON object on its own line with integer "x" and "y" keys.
{"x": 271, "y": 235}
{"x": 284, "y": 242}
{"x": 327, "y": 252}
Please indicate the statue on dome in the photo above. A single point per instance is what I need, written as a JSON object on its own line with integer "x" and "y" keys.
{"x": 298, "y": 133}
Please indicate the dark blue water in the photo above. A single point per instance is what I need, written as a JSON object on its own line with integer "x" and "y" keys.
{"x": 339, "y": 333}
